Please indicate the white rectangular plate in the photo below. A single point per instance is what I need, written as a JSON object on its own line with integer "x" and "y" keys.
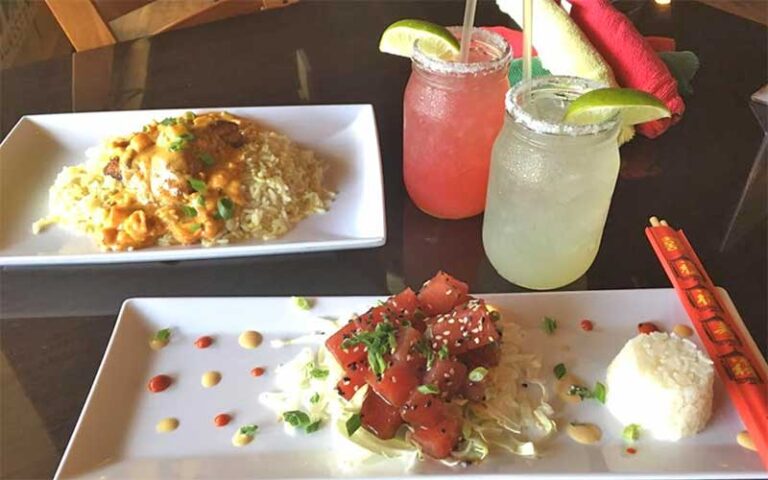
{"x": 115, "y": 436}
{"x": 40, "y": 145}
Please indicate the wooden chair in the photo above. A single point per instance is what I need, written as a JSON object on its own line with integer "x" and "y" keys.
{"x": 97, "y": 23}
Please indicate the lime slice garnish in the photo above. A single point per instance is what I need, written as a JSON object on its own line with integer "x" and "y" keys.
{"x": 633, "y": 106}
{"x": 434, "y": 40}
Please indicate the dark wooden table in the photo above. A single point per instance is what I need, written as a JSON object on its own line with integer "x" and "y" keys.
{"x": 56, "y": 321}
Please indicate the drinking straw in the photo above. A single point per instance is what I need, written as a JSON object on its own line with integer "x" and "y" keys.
{"x": 466, "y": 29}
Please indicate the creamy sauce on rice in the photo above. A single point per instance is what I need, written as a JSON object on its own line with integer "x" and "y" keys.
{"x": 209, "y": 179}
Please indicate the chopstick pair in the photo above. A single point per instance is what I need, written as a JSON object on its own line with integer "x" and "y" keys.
{"x": 738, "y": 362}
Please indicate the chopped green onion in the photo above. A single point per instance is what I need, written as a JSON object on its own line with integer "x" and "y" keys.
{"x": 225, "y": 208}
{"x": 169, "y": 121}
{"x": 478, "y": 374}
{"x": 379, "y": 342}
{"x": 495, "y": 316}
{"x": 549, "y": 325}
{"x": 195, "y": 227}
{"x": 582, "y": 392}
{"x": 442, "y": 354}
{"x": 428, "y": 389}
{"x": 599, "y": 392}
{"x": 162, "y": 335}
{"x": 302, "y": 302}
{"x": 198, "y": 185}
{"x": 296, "y": 418}
{"x": 181, "y": 142}
{"x": 206, "y": 158}
{"x": 319, "y": 373}
{"x": 631, "y": 432}
{"x": 313, "y": 427}
{"x": 201, "y": 200}
{"x": 189, "y": 211}
{"x": 559, "y": 371}
{"x": 353, "y": 423}
{"x": 189, "y": 116}
{"x": 248, "y": 430}
{"x": 314, "y": 398}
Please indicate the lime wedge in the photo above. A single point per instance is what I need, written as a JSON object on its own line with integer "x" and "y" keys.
{"x": 434, "y": 40}
{"x": 633, "y": 106}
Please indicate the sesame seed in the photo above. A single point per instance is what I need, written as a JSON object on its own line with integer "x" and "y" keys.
{"x": 451, "y": 321}
{"x": 447, "y": 332}
{"x": 490, "y": 339}
{"x": 394, "y": 379}
{"x": 477, "y": 340}
{"x": 448, "y": 292}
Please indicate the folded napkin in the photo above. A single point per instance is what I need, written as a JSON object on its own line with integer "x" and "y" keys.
{"x": 634, "y": 62}
{"x": 562, "y": 46}
{"x": 683, "y": 66}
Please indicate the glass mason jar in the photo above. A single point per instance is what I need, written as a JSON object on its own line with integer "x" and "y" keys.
{"x": 452, "y": 113}
{"x": 550, "y": 186}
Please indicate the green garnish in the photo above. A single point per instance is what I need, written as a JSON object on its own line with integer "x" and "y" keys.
{"x": 478, "y": 374}
{"x": 423, "y": 348}
{"x": 189, "y": 211}
{"x": 319, "y": 373}
{"x": 189, "y": 116}
{"x": 442, "y": 354}
{"x": 495, "y": 316}
{"x": 559, "y": 371}
{"x": 599, "y": 392}
{"x": 314, "y": 398}
{"x": 248, "y": 430}
{"x": 312, "y": 427}
{"x": 428, "y": 389}
{"x": 353, "y": 423}
{"x": 198, "y": 185}
{"x": 296, "y": 418}
{"x": 201, "y": 201}
{"x": 162, "y": 335}
{"x": 195, "y": 227}
{"x": 302, "y": 302}
{"x": 225, "y": 208}
{"x": 206, "y": 158}
{"x": 419, "y": 315}
{"x": 582, "y": 392}
{"x": 169, "y": 121}
{"x": 380, "y": 341}
{"x": 181, "y": 142}
{"x": 631, "y": 432}
{"x": 549, "y": 325}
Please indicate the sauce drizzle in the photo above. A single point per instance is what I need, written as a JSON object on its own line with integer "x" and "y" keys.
{"x": 203, "y": 342}
{"x": 158, "y": 383}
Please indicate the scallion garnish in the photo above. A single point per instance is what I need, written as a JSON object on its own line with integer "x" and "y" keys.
{"x": 549, "y": 325}
{"x": 162, "y": 335}
{"x": 380, "y": 341}
{"x": 631, "y": 432}
{"x": 248, "y": 430}
{"x": 189, "y": 211}
{"x": 353, "y": 423}
{"x": 302, "y": 302}
{"x": 198, "y": 185}
{"x": 559, "y": 371}
{"x": 225, "y": 208}
{"x": 206, "y": 158}
{"x": 478, "y": 374}
{"x": 428, "y": 389}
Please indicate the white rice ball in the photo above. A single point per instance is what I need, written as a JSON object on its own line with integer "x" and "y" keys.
{"x": 663, "y": 383}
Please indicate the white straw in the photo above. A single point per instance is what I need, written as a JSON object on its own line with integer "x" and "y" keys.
{"x": 466, "y": 30}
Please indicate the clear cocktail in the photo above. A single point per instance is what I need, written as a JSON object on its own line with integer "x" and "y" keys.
{"x": 452, "y": 114}
{"x": 550, "y": 186}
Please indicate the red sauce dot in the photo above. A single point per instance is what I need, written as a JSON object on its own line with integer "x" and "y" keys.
{"x": 221, "y": 419}
{"x": 158, "y": 383}
{"x": 647, "y": 327}
{"x": 258, "y": 371}
{"x": 586, "y": 325}
{"x": 203, "y": 342}
{"x": 631, "y": 451}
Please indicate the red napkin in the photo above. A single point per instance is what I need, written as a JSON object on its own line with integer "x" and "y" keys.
{"x": 631, "y": 57}
{"x": 514, "y": 38}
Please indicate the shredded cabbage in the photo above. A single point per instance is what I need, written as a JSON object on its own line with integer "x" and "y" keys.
{"x": 512, "y": 418}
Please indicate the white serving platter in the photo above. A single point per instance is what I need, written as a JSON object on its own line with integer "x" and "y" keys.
{"x": 115, "y": 436}
{"x": 40, "y": 145}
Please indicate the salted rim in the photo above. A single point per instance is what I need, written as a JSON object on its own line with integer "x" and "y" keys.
{"x": 493, "y": 39}
{"x": 522, "y": 116}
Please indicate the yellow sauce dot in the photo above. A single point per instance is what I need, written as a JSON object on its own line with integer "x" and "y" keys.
{"x": 167, "y": 425}
{"x": 156, "y": 344}
{"x": 745, "y": 440}
{"x": 240, "y": 440}
{"x": 210, "y": 379}
{"x": 249, "y": 339}
{"x": 584, "y": 433}
{"x": 683, "y": 331}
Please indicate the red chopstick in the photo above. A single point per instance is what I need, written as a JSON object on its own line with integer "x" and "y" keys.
{"x": 737, "y": 360}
